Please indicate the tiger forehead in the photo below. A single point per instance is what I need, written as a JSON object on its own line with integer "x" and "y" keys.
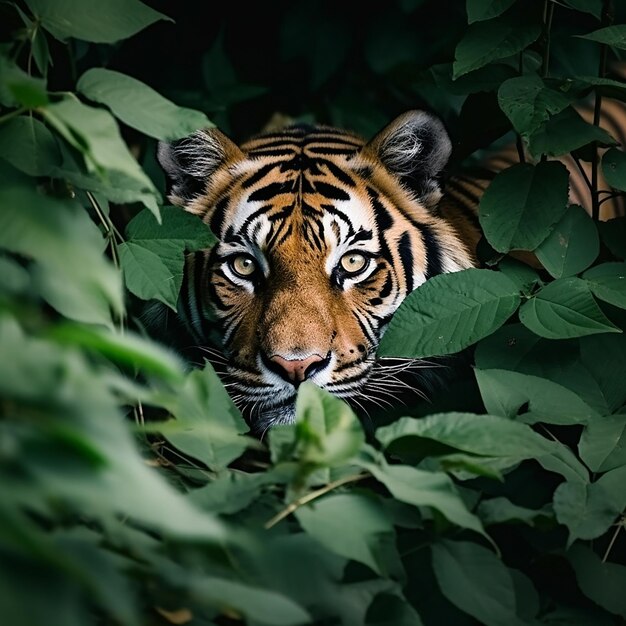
{"x": 300, "y": 180}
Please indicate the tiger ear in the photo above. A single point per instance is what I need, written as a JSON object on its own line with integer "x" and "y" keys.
{"x": 415, "y": 147}
{"x": 190, "y": 162}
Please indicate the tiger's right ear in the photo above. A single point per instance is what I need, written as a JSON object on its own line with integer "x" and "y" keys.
{"x": 190, "y": 162}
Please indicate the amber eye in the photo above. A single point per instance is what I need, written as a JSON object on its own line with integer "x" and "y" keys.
{"x": 353, "y": 262}
{"x": 243, "y": 265}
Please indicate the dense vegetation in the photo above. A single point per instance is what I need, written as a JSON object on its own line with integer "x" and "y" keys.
{"x": 130, "y": 492}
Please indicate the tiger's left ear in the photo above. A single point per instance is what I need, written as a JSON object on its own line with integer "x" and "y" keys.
{"x": 415, "y": 147}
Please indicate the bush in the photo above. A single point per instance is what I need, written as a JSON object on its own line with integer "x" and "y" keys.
{"x": 502, "y": 505}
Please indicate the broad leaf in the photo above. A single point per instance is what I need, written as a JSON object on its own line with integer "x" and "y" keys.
{"x": 140, "y": 106}
{"x": 28, "y": 145}
{"x": 208, "y": 426}
{"x": 153, "y": 256}
{"x": 586, "y": 6}
{"x": 494, "y": 39}
{"x": 474, "y": 579}
{"x": 17, "y": 88}
{"x": 55, "y": 233}
{"x": 614, "y": 168}
{"x": 449, "y": 313}
{"x": 501, "y": 511}
{"x": 528, "y": 102}
{"x": 602, "y": 445}
{"x": 328, "y": 433}
{"x": 92, "y": 20}
{"x": 589, "y": 509}
{"x": 421, "y": 488}
{"x": 94, "y": 133}
{"x": 478, "y": 10}
{"x": 355, "y": 526}
{"x": 565, "y": 308}
{"x": 613, "y": 234}
{"x": 604, "y": 583}
{"x": 614, "y": 36}
{"x": 504, "y": 393}
{"x": 608, "y": 283}
{"x": 387, "y": 609}
{"x": 566, "y": 132}
{"x": 572, "y": 246}
{"x": 522, "y": 204}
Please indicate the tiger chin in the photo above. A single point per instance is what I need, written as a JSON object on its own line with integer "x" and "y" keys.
{"x": 321, "y": 236}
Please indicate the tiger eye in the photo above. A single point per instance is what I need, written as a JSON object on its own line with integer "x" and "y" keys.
{"x": 353, "y": 262}
{"x": 243, "y": 265}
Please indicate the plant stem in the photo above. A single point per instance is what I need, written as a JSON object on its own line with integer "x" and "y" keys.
{"x": 620, "y": 525}
{"x": 548, "y": 13}
{"x": 607, "y": 19}
{"x": 311, "y": 496}
{"x": 8, "y": 116}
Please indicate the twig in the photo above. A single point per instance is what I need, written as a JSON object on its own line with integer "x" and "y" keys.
{"x": 620, "y": 525}
{"x": 311, "y": 496}
{"x": 548, "y": 13}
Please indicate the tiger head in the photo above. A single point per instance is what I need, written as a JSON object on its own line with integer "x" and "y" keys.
{"x": 321, "y": 237}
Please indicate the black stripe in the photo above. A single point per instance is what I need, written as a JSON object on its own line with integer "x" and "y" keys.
{"x": 386, "y": 290}
{"x": 330, "y": 191}
{"x": 269, "y": 191}
{"x": 262, "y": 172}
{"x": 383, "y": 219}
{"x": 433, "y": 251}
{"x": 328, "y": 150}
{"x": 340, "y": 174}
{"x": 217, "y": 219}
{"x": 253, "y": 154}
{"x": 406, "y": 258}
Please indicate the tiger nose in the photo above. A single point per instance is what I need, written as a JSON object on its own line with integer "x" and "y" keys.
{"x": 296, "y": 371}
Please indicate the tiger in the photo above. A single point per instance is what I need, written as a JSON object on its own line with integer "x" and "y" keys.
{"x": 321, "y": 236}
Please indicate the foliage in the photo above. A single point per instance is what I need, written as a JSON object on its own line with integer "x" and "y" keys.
{"x": 130, "y": 492}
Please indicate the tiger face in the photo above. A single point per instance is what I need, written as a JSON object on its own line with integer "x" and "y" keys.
{"x": 321, "y": 237}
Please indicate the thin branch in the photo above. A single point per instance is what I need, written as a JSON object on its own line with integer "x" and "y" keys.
{"x": 607, "y": 20}
{"x": 620, "y": 525}
{"x": 296, "y": 504}
{"x": 548, "y": 13}
{"x": 8, "y": 116}
{"x": 582, "y": 171}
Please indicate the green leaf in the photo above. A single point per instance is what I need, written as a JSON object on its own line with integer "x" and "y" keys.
{"x": 55, "y": 234}
{"x": 94, "y": 133}
{"x": 604, "y": 583}
{"x": 28, "y": 145}
{"x": 589, "y": 509}
{"x": 328, "y": 432}
{"x": 501, "y": 511}
{"x": 139, "y": 106}
{"x": 127, "y": 350}
{"x": 504, "y": 393}
{"x": 479, "y": 10}
{"x": 608, "y": 283}
{"x": 572, "y": 246}
{"x": 591, "y": 367}
{"x": 528, "y": 102}
{"x": 522, "y": 204}
{"x": 387, "y": 609}
{"x": 422, "y": 488}
{"x": 602, "y": 445}
{"x": 230, "y": 492}
{"x": 355, "y": 526}
{"x": 565, "y": 308}
{"x": 92, "y": 20}
{"x": 489, "y": 41}
{"x": 255, "y": 603}
{"x": 614, "y": 36}
{"x": 450, "y": 312}
{"x": 478, "y": 434}
{"x": 153, "y": 257}
{"x": 566, "y": 132}
{"x": 613, "y": 234}
{"x": 208, "y": 426}
{"x": 614, "y": 168}
{"x": 475, "y": 580}
{"x": 586, "y": 6}
{"x": 18, "y": 88}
